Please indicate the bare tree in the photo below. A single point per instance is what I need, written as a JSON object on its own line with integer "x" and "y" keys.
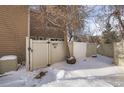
{"x": 68, "y": 19}
{"x": 113, "y": 15}
{"x": 118, "y": 13}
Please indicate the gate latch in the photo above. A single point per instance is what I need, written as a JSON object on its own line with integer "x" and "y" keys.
{"x": 29, "y": 49}
{"x": 48, "y": 42}
{"x": 54, "y": 45}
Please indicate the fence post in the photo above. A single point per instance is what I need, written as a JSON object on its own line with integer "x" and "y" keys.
{"x": 27, "y": 53}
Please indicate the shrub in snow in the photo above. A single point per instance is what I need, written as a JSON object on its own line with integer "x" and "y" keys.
{"x": 71, "y": 60}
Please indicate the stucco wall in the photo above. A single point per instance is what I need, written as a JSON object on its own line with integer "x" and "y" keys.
{"x": 13, "y": 30}
{"x": 119, "y": 53}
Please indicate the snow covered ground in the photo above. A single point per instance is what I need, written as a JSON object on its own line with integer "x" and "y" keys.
{"x": 87, "y": 72}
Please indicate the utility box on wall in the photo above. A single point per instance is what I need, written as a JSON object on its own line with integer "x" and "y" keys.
{"x": 8, "y": 63}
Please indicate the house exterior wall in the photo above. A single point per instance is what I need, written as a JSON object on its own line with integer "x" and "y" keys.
{"x": 13, "y": 30}
{"x": 43, "y": 20}
{"x": 40, "y": 26}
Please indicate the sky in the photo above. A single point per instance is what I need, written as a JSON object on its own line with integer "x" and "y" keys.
{"x": 94, "y": 25}
{"x": 91, "y": 24}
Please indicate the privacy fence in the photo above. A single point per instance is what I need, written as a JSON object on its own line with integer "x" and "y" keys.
{"x": 50, "y": 51}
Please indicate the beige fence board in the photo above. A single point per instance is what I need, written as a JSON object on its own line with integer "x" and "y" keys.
{"x": 106, "y": 50}
{"x": 91, "y": 49}
{"x": 79, "y": 49}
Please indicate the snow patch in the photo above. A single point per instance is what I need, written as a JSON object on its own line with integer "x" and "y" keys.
{"x": 59, "y": 74}
{"x": 8, "y": 57}
{"x": 78, "y": 82}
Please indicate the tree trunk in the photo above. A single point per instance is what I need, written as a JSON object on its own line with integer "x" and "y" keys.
{"x": 118, "y": 15}
{"x": 69, "y": 59}
{"x": 66, "y": 44}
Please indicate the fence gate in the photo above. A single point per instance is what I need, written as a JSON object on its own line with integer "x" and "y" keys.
{"x": 44, "y": 52}
{"x": 39, "y": 53}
